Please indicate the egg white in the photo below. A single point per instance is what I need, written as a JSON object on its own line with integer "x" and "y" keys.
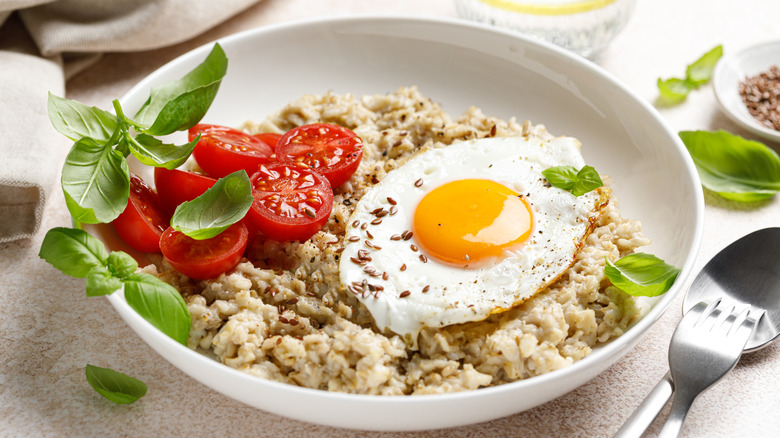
{"x": 455, "y": 294}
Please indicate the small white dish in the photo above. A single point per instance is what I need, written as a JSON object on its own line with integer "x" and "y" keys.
{"x": 458, "y": 64}
{"x": 731, "y": 70}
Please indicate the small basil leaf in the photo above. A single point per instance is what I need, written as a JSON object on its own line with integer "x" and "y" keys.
{"x": 153, "y": 152}
{"x": 570, "y": 179}
{"x": 211, "y": 213}
{"x": 160, "y": 304}
{"x": 115, "y": 386}
{"x": 75, "y": 120}
{"x": 700, "y": 71}
{"x": 734, "y": 167}
{"x": 562, "y": 177}
{"x": 179, "y": 105}
{"x": 121, "y": 264}
{"x": 641, "y": 274}
{"x": 100, "y": 281}
{"x": 587, "y": 179}
{"x": 674, "y": 90}
{"x": 96, "y": 182}
{"x": 74, "y": 252}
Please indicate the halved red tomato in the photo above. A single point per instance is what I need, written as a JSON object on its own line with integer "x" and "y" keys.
{"x": 222, "y": 150}
{"x": 203, "y": 259}
{"x": 269, "y": 138}
{"x": 143, "y": 220}
{"x": 175, "y": 186}
{"x": 327, "y": 149}
{"x": 291, "y": 201}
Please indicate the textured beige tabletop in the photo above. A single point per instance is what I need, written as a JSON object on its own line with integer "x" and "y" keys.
{"x": 50, "y": 329}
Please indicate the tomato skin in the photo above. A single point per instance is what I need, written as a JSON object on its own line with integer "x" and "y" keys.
{"x": 176, "y": 186}
{"x": 143, "y": 220}
{"x": 222, "y": 150}
{"x": 328, "y": 149}
{"x": 269, "y": 138}
{"x": 204, "y": 259}
{"x": 295, "y": 189}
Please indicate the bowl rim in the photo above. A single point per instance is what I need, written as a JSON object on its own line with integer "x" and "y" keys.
{"x": 602, "y": 353}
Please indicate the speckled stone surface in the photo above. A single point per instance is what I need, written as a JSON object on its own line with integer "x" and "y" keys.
{"x": 50, "y": 329}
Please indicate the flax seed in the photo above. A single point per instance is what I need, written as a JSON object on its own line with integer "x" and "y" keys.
{"x": 404, "y": 294}
{"x": 418, "y": 183}
{"x": 391, "y": 201}
{"x": 376, "y": 221}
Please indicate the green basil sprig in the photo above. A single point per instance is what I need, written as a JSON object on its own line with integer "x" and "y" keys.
{"x": 641, "y": 274}
{"x": 95, "y": 178}
{"x": 113, "y": 385}
{"x": 78, "y": 254}
{"x": 211, "y": 213}
{"x": 675, "y": 90}
{"x": 570, "y": 179}
{"x": 734, "y": 167}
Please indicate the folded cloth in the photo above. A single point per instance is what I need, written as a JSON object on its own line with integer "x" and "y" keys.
{"x": 31, "y": 151}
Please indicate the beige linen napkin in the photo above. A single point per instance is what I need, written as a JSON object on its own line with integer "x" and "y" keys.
{"x": 31, "y": 150}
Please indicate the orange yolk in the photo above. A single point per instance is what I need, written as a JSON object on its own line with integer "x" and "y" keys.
{"x": 467, "y": 221}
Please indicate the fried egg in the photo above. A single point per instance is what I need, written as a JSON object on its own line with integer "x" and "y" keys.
{"x": 462, "y": 232}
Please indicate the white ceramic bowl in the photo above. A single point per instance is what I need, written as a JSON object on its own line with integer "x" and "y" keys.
{"x": 457, "y": 64}
{"x": 733, "y": 69}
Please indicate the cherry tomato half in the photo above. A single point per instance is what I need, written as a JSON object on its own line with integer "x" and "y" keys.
{"x": 203, "y": 259}
{"x": 143, "y": 221}
{"x": 176, "y": 186}
{"x": 222, "y": 150}
{"x": 291, "y": 201}
{"x": 269, "y": 138}
{"x": 330, "y": 150}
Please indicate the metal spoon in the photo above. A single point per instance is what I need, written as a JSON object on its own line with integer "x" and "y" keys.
{"x": 745, "y": 273}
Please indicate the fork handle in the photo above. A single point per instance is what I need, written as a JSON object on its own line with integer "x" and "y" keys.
{"x": 650, "y": 407}
{"x": 680, "y": 407}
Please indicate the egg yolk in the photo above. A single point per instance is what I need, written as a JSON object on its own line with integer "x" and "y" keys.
{"x": 467, "y": 221}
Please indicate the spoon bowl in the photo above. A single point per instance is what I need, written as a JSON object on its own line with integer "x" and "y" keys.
{"x": 745, "y": 273}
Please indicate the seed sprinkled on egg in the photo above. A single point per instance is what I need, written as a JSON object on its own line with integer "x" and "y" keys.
{"x": 405, "y": 294}
{"x": 418, "y": 183}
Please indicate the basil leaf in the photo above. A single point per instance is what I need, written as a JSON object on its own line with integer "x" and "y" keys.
{"x": 153, "y": 152}
{"x": 211, "y": 213}
{"x": 587, "y": 179}
{"x": 570, "y": 179}
{"x": 115, "y": 386}
{"x": 96, "y": 182}
{"x": 179, "y": 105}
{"x": 561, "y": 177}
{"x": 121, "y": 264}
{"x": 160, "y": 304}
{"x": 100, "y": 281}
{"x": 75, "y": 120}
{"x": 673, "y": 90}
{"x": 734, "y": 167}
{"x": 700, "y": 71}
{"x": 641, "y": 274}
{"x": 74, "y": 252}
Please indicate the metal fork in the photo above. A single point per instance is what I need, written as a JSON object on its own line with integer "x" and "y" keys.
{"x": 704, "y": 348}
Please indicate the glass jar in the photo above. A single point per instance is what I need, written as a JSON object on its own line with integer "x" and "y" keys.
{"x": 582, "y": 26}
